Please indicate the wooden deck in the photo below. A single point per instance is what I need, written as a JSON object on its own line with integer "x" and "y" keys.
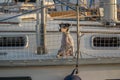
{"x": 70, "y": 13}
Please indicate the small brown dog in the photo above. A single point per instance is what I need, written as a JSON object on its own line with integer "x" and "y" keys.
{"x": 67, "y": 43}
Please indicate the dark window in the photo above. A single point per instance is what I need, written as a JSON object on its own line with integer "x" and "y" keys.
{"x": 13, "y": 41}
{"x": 15, "y": 78}
{"x": 106, "y": 42}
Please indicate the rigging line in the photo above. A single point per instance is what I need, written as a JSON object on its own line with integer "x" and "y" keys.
{"x": 77, "y": 17}
{"x": 25, "y": 13}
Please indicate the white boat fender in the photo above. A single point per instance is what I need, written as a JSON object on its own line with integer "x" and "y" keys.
{"x": 73, "y": 75}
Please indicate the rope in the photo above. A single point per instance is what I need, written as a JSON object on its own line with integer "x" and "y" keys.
{"x": 74, "y": 71}
{"x": 77, "y": 62}
{"x": 78, "y": 40}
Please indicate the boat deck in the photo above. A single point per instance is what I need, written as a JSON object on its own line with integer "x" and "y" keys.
{"x": 58, "y": 62}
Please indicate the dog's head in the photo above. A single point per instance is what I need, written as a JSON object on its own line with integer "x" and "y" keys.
{"x": 64, "y": 26}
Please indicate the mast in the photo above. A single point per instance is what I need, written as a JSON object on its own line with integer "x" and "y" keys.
{"x": 110, "y": 10}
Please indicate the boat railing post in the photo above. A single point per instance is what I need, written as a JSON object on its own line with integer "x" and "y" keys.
{"x": 41, "y": 41}
{"x": 78, "y": 30}
{"x": 38, "y": 27}
{"x": 43, "y": 28}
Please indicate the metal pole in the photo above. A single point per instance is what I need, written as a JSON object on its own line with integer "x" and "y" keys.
{"x": 38, "y": 27}
{"x": 78, "y": 40}
{"x": 78, "y": 29}
{"x": 43, "y": 28}
{"x": 78, "y": 37}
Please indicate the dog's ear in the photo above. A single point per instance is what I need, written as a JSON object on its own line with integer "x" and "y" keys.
{"x": 64, "y": 24}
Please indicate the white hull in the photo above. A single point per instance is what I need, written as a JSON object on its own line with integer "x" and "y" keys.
{"x": 86, "y": 72}
{"x": 99, "y": 47}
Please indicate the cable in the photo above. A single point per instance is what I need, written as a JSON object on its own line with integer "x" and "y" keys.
{"x": 78, "y": 43}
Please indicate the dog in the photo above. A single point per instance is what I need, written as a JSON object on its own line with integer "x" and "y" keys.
{"x": 67, "y": 43}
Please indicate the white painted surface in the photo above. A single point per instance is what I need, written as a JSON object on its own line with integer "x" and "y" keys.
{"x": 86, "y": 72}
{"x": 53, "y": 40}
{"x": 110, "y": 10}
